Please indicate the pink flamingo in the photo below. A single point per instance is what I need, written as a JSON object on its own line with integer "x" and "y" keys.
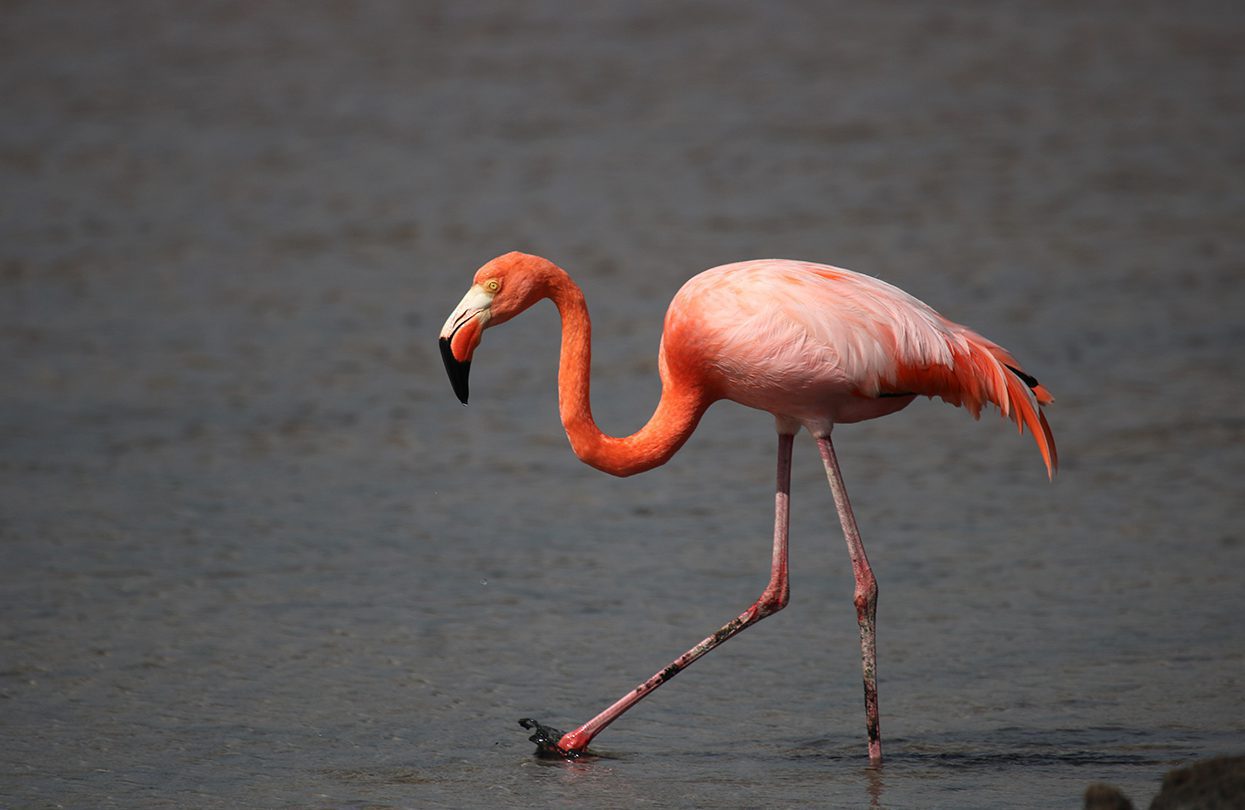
{"x": 811, "y": 344}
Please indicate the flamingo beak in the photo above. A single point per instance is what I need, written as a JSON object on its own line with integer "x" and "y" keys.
{"x": 458, "y": 371}
{"x": 461, "y": 335}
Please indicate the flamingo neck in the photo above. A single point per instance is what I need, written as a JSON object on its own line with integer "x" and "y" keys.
{"x": 673, "y": 421}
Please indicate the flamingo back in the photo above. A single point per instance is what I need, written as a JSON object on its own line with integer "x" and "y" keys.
{"x": 821, "y": 344}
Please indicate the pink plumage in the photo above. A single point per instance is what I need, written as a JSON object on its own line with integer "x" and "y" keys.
{"x": 812, "y": 344}
{"x": 822, "y": 345}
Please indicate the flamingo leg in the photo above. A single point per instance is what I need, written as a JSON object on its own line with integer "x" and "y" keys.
{"x": 772, "y": 599}
{"x": 866, "y": 595}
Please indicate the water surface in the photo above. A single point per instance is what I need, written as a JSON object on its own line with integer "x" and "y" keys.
{"x": 256, "y": 554}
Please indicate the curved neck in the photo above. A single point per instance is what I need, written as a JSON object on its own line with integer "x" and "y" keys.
{"x": 671, "y": 424}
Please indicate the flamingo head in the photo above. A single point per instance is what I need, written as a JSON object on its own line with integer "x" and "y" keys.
{"x": 500, "y": 290}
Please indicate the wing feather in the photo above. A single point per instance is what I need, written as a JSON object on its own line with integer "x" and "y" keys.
{"x": 790, "y": 327}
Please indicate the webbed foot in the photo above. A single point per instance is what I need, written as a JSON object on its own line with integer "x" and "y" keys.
{"x": 547, "y": 739}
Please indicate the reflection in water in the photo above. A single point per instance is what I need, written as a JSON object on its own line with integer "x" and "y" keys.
{"x": 875, "y": 783}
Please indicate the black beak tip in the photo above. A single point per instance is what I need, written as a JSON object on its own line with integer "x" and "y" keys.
{"x": 457, "y": 371}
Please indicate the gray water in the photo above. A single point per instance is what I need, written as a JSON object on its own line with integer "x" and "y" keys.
{"x": 256, "y": 554}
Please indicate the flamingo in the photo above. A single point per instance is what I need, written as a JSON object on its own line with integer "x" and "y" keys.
{"x": 812, "y": 344}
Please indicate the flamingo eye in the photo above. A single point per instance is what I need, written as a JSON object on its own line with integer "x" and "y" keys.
{"x": 492, "y": 285}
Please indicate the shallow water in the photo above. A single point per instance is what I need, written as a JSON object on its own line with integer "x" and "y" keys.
{"x": 256, "y": 554}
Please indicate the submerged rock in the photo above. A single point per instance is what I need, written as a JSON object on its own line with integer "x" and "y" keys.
{"x": 1213, "y": 784}
{"x": 1100, "y": 796}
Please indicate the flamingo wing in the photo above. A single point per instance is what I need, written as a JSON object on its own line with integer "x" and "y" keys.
{"x": 816, "y": 342}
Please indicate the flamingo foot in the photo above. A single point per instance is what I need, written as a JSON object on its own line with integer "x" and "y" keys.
{"x": 547, "y": 739}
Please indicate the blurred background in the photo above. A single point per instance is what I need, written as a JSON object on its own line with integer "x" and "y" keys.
{"x": 256, "y": 553}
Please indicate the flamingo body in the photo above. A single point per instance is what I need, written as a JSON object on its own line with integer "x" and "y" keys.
{"x": 821, "y": 345}
{"x": 812, "y": 344}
